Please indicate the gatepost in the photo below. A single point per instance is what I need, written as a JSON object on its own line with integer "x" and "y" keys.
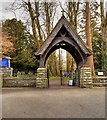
{"x": 86, "y": 77}
{"x": 42, "y": 80}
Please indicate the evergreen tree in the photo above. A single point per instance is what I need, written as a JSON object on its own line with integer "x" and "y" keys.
{"x": 24, "y": 44}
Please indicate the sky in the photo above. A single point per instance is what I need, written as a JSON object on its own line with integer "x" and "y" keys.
{"x": 4, "y": 14}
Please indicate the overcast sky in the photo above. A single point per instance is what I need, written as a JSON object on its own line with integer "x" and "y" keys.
{"x": 4, "y": 14}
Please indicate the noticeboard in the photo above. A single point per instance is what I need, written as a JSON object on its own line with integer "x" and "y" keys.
{"x": 4, "y": 63}
{"x": 100, "y": 73}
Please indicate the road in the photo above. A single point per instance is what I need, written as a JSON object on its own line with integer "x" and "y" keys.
{"x": 59, "y": 102}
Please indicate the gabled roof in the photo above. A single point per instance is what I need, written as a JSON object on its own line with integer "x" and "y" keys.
{"x": 63, "y": 22}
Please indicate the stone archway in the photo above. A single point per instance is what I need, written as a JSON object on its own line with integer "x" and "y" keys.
{"x": 62, "y": 36}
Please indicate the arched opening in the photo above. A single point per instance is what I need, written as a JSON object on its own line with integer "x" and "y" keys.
{"x": 64, "y": 73}
{"x": 68, "y": 47}
{"x": 73, "y": 50}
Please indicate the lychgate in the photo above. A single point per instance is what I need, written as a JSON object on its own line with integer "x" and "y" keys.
{"x": 65, "y": 37}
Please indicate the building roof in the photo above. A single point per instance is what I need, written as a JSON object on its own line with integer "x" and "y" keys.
{"x": 63, "y": 23}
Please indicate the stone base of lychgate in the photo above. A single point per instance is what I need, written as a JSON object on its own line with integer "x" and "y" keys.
{"x": 86, "y": 77}
{"x": 41, "y": 80}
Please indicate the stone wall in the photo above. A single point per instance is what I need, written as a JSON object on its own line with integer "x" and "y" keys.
{"x": 6, "y": 72}
{"x": 100, "y": 81}
{"x": 99, "y": 84}
{"x": 19, "y": 83}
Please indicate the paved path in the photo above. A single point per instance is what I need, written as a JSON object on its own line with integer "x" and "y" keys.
{"x": 63, "y": 102}
{"x": 56, "y": 82}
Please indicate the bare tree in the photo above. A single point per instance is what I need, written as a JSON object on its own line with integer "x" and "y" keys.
{"x": 49, "y": 9}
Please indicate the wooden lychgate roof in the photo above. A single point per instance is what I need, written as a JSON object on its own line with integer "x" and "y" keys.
{"x": 64, "y": 36}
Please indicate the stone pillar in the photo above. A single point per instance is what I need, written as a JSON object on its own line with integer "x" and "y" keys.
{"x": 85, "y": 77}
{"x": 6, "y": 72}
{"x": 11, "y": 72}
{"x": 41, "y": 80}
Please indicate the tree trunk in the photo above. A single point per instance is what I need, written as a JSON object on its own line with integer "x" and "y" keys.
{"x": 102, "y": 18}
{"x": 104, "y": 35}
{"x": 38, "y": 22}
{"x": 52, "y": 61}
{"x": 73, "y": 8}
{"x": 88, "y": 38}
{"x": 33, "y": 24}
{"x": 106, "y": 39}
